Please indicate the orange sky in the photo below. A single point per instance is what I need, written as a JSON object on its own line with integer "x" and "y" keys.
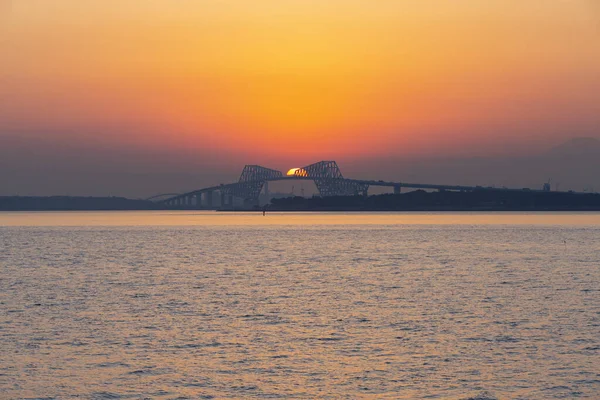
{"x": 301, "y": 79}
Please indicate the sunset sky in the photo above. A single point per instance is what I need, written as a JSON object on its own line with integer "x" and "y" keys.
{"x": 291, "y": 81}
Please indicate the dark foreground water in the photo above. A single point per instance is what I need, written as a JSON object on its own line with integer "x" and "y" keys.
{"x": 208, "y": 305}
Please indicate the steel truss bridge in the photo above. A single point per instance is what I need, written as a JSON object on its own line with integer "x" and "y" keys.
{"x": 325, "y": 174}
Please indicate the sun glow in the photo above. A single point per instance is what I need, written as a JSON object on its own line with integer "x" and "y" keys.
{"x": 287, "y": 78}
{"x": 297, "y": 172}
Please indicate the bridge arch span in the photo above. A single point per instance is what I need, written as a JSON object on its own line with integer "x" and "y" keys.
{"x": 162, "y": 196}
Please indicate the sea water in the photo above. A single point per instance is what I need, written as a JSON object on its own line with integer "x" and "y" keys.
{"x": 177, "y": 305}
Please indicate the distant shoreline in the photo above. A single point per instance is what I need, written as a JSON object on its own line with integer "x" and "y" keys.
{"x": 340, "y": 210}
{"x": 73, "y": 203}
{"x": 416, "y": 201}
{"x": 475, "y": 210}
{"x": 419, "y": 200}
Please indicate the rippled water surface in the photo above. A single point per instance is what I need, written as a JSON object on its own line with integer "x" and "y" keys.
{"x": 225, "y": 305}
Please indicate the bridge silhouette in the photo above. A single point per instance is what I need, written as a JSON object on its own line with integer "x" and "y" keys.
{"x": 326, "y": 175}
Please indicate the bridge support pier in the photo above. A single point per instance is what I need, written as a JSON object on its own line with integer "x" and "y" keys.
{"x": 397, "y": 189}
{"x": 209, "y": 198}
{"x": 230, "y": 201}
{"x": 198, "y": 200}
{"x": 222, "y": 199}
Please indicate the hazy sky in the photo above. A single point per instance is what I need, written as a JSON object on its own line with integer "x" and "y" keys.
{"x": 199, "y": 84}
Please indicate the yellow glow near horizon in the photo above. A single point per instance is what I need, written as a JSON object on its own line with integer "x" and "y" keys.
{"x": 300, "y": 77}
{"x": 297, "y": 172}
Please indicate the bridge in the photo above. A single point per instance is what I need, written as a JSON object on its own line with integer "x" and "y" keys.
{"x": 325, "y": 174}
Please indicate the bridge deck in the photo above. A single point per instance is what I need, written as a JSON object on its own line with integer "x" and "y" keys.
{"x": 379, "y": 183}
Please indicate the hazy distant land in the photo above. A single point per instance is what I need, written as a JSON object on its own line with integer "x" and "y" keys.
{"x": 72, "y": 203}
{"x": 419, "y": 200}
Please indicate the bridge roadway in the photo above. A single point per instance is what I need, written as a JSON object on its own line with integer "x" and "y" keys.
{"x": 184, "y": 199}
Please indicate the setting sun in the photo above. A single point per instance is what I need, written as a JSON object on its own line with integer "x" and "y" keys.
{"x": 297, "y": 172}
